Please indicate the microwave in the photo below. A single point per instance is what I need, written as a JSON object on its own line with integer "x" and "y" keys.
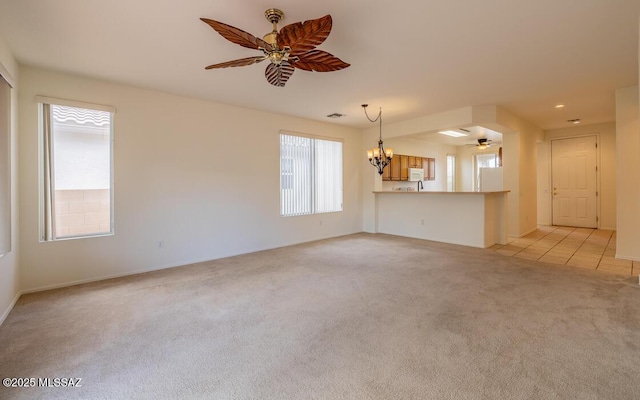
{"x": 416, "y": 174}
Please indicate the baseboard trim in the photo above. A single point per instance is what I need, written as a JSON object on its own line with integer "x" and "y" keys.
{"x": 529, "y": 231}
{"x": 167, "y": 266}
{"x": 102, "y": 278}
{"x": 623, "y": 257}
{"x": 520, "y": 235}
{"x": 8, "y": 310}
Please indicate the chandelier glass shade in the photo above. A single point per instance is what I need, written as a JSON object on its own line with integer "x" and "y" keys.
{"x": 379, "y": 157}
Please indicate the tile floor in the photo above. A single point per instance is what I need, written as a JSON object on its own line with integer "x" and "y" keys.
{"x": 575, "y": 247}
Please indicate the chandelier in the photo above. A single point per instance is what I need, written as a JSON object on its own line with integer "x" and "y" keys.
{"x": 378, "y": 156}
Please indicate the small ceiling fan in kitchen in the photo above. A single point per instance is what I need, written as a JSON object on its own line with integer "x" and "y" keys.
{"x": 293, "y": 47}
{"x": 483, "y": 143}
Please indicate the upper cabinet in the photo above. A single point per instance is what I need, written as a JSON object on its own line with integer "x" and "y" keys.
{"x": 392, "y": 172}
{"x": 404, "y": 168}
{"x": 415, "y": 162}
{"x": 429, "y": 166}
{"x": 398, "y": 170}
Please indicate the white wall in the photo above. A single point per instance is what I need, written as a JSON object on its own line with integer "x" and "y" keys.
{"x": 606, "y": 134}
{"x": 9, "y": 273}
{"x": 628, "y": 173}
{"x": 470, "y": 219}
{"x": 202, "y": 177}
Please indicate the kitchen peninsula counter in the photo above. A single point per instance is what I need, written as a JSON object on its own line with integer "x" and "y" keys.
{"x": 477, "y": 219}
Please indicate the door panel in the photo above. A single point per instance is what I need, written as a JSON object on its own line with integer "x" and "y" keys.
{"x": 574, "y": 173}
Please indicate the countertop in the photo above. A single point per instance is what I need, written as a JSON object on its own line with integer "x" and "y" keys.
{"x": 434, "y": 192}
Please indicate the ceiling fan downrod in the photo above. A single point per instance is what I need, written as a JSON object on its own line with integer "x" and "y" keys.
{"x": 274, "y": 16}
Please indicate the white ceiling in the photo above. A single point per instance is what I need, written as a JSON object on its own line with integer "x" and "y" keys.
{"x": 473, "y": 134}
{"x": 412, "y": 57}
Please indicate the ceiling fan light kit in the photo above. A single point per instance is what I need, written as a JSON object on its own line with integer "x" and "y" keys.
{"x": 483, "y": 144}
{"x": 293, "y": 47}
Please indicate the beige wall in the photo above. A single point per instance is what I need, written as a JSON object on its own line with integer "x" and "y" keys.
{"x": 201, "y": 177}
{"x": 606, "y": 134}
{"x": 9, "y": 273}
{"x": 628, "y": 173}
{"x": 519, "y": 166}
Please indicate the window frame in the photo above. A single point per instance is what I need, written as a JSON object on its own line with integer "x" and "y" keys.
{"x": 41, "y": 202}
{"x": 451, "y": 172}
{"x": 313, "y": 165}
{"x": 6, "y": 167}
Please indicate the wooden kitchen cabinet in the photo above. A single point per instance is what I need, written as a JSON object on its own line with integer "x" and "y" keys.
{"x": 386, "y": 173}
{"x": 398, "y": 170}
{"x": 415, "y": 162}
{"x": 429, "y": 166}
{"x": 404, "y": 168}
{"x": 394, "y": 168}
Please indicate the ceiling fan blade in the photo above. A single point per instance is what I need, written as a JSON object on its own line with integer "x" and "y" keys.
{"x": 237, "y": 36}
{"x": 278, "y": 75}
{"x": 320, "y": 61}
{"x": 238, "y": 63}
{"x": 305, "y": 36}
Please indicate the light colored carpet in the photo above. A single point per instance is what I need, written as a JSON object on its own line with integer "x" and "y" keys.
{"x": 357, "y": 317}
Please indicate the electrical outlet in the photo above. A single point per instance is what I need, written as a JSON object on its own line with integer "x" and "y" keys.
{"x": 421, "y": 222}
{"x": 160, "y": 243}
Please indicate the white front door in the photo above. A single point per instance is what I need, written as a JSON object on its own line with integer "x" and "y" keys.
{"x": 573, "y": 174}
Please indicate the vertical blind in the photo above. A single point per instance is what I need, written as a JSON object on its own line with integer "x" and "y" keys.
{"x": 310, "y": 175}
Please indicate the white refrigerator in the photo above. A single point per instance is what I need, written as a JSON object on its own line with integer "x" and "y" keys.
{"x": 491, "y": 179}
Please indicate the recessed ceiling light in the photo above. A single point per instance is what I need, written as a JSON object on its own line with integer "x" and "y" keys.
{"x": 453, "y": 133}
{"x": 574, "y": 121}
{"x": 559, "y": 105}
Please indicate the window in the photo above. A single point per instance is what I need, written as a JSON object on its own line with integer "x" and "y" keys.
{"x": 76, "y": 170}
{"x": 310, "y": 175}
{"x": 451, "y": 173}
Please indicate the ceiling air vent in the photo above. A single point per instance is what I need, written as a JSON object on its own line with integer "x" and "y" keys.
{"x": 335, "y": 115}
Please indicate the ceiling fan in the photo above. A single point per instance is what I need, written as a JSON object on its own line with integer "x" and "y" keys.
{"x": 482, "y": 144}
{"x": 293, "y": 47}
